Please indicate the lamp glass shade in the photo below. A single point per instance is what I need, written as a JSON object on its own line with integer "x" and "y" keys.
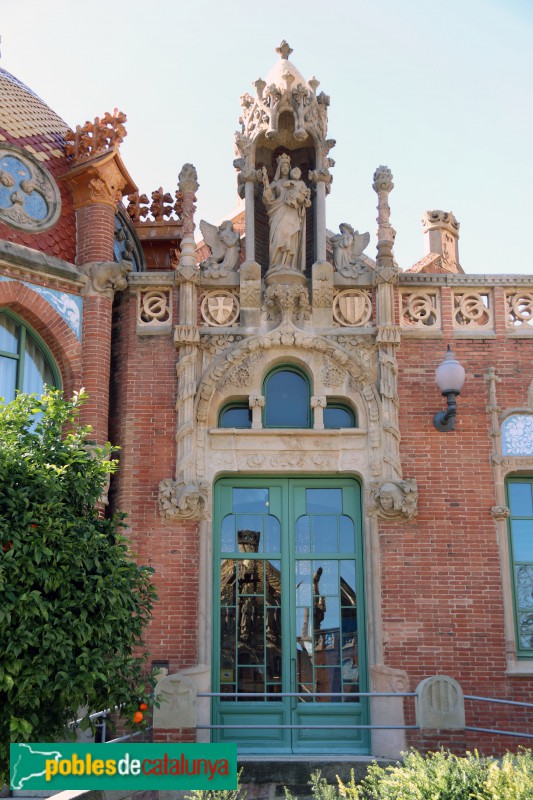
{"x": 450, "y": 374}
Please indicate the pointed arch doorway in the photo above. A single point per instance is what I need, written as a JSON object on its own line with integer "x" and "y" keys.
{"x": 289, "y": 632}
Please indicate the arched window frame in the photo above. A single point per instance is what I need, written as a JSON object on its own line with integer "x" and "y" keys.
{"x": 235, "y": 404}
{"x": 25, "y": 331}
{"x": 302, "y": 374}
{"x": 337, "y": 403}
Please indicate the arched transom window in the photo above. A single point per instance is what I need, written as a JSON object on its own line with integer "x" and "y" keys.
{"x": 25, "y": 363}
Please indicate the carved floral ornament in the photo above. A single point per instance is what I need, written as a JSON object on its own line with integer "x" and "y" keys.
{"x": 29, "y": 196}
{"x": 180, "y": 500}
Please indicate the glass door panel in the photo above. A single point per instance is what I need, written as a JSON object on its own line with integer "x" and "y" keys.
{"x": 288, "y": 648}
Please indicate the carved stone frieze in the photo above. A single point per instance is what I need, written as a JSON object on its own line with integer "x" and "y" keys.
{"x": 180, "y": 500}
{"x": 288, "y": 301}
{"x": 500, "y": 513}
{"x": 217, "y": 343}
{"x": 394, "y": 499}
{"x": 106, "y": 278}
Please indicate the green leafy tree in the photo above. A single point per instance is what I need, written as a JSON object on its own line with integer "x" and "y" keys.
{"x": 73, "y": 602}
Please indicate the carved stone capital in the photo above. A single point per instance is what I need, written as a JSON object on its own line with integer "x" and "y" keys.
{"x": 500, "y": 513}
{"x": 320, "y": 176}
{"x": 386, "y": 274}
{"x": 388, "y": 334}
{"x": 256, "y": 401}
{"x": 319, "y": 401}
{"x": 394, "y": 499}
{"x": 290, "y": 299}
{"x": 105, "y": 278}
{"x": 186, "y": 335}
{"x": 180, "y": 500}
{"x": 102, "y": 180}
{"x": 440, "y": 219}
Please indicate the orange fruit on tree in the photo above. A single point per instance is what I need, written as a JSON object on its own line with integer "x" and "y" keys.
{"x": 143, "y": 706}
{"x": 138, "y": 717}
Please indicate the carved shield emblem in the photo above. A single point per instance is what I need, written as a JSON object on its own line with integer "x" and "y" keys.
{"x": 352, "y": 307}
{"x": 220, "y": 308}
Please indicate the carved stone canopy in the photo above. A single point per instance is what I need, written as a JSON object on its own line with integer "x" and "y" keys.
{"x": 285, "y": 91}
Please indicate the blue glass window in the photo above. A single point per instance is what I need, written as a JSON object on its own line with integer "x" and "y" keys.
{"x": 337, "y": 415}
{"x": 237, "y": 415}
{"x": 287, "y": 400}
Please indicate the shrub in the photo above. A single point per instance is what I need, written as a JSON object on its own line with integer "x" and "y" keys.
{"x": 444, "y": 776}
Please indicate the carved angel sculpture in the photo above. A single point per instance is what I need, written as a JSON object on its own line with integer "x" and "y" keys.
{"x": 224, "y": 245}
{"x": 348, "y": 245}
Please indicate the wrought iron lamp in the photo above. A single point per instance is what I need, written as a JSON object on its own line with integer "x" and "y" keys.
{"x": 450, "y": 377}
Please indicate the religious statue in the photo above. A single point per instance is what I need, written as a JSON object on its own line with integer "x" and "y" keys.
{"x": 348, "y": 246}
{"x": 223, "y": 241}
{"x": 286, "y": 200}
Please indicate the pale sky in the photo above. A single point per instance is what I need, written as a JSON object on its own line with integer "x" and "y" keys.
{"x": 442, "y": 93}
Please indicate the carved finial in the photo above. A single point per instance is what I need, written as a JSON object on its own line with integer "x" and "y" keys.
{"x": 284, "y": 50}
{"x": 383, "y": 180}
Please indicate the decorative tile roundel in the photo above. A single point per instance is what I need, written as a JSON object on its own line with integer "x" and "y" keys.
{"x": 29, "y": 196}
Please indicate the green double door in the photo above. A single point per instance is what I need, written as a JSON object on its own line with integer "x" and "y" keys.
{"x": 289, "y": 632}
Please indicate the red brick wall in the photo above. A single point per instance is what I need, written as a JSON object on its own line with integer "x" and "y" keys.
{"x": 143, "y": 423}
{"x": 95, "y": 231}
{"x": 442, "y": 594}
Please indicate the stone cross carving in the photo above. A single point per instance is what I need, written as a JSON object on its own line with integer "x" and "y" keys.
{"x": 286, "y": 200}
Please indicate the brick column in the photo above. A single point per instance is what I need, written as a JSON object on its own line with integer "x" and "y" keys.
{"x": 98, "y": 180}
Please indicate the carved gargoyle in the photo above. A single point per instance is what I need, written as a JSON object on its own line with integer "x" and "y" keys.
{"x": 394, "y": 499}
{"x": 106, "y": 277}
{"x": 180, "y": 500}
{"x": 348, "y": 246}
{"x": 223, "y": 241}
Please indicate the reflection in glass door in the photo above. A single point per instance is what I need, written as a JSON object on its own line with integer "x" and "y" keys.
{"x": 289, "y": 644}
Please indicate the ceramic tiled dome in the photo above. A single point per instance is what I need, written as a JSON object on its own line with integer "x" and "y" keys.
{"x": 29, "y": 129}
